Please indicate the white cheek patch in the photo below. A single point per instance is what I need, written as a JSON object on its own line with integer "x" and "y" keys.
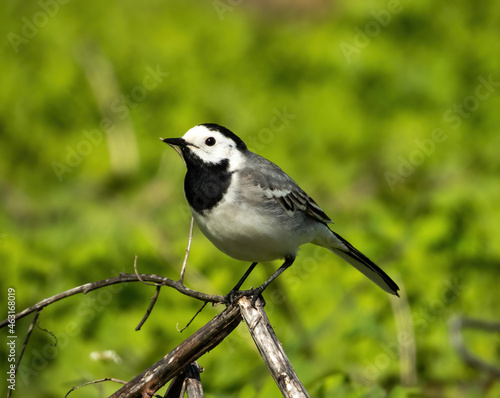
{"x": 224, "y": 148}
{"x": 211, "y": 157}
{"x": 203, "y": 155}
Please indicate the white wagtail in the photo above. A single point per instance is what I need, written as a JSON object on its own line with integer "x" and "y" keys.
{"x": 252, "y": 211}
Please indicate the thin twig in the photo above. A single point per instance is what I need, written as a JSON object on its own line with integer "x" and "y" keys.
{"x": 192, "y": 319}
{"x": 122, "y": 278}
{"x": 94, "y": 382}
{"x": 48, "y": 332}
{"x": 456, "y": 324}
{"x": 138, "y": 276}
{"x": 150, "y": 308}
{"x": 25, "y": 343}
{"x": 188, "y": 249}
{"x": 153, "y": 299}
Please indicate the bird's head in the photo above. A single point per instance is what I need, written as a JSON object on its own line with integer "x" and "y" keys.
{"x": 210, "y": 143}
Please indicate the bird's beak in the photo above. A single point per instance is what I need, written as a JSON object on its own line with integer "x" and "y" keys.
{"x": 177, "y": 144}
{"x": 175, "y": 141}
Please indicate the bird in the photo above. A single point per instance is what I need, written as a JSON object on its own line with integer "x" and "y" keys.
{"x": 251, "y": 210}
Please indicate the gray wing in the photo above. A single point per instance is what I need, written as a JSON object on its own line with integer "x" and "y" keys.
{"x": 278, "y": 185}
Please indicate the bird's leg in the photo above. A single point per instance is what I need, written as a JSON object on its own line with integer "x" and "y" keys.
{"x": 234, "y": 294}
{"x": 244, "y": 277}
{"x": 258, "y": 291}
{"x": 231, "y": 296}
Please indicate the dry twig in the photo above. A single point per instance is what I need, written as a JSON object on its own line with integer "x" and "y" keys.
{"x": 122, "y": 278}
{"x": 153, "y": 299}
{"x": 150, "y": 308}
{"x": 203, "y": 340}
{"x": 191, "y": 320}
{"x": 270, "y": 348}
{"x": 94, "y": 382}
{"x": 25, "y": 343}
{"x": 188, "y": 381}
{"x": 456, "y": 325}
{"x": 188, "y": 249}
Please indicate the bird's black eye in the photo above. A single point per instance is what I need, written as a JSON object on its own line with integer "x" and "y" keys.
{"x": 210, "y": 141}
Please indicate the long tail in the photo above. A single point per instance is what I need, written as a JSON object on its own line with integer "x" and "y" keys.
{"x": 363, "y": 264}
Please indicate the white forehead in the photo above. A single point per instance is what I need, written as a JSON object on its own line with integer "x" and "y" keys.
{"x": 224, "y": 148}
{"x": 199, "y": 134}
{"x": 196, "y": 132}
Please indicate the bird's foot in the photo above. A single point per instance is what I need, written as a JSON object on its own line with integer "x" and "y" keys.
{"x": 234, "y": 295}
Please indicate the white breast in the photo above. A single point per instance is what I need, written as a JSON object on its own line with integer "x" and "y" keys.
{"x": 255, "y": 230}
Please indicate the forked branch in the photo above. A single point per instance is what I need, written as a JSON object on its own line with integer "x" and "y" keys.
{"x": 157, "y": 375}
{"x": 122, "y": 278}
{"x": 205, "y": 339}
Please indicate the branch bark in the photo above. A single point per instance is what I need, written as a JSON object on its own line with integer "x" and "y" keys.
{"x": 122, "y": 278}
{"x": 193, "y": 381}
{"x": 270, "y": 348}
{"x": 188, "y": 381}
{"x": 205, "y": 339}
{"x": 209, "y": 336}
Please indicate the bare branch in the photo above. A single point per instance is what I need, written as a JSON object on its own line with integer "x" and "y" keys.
{"x": 150, "y": 308}
{"x": 94, "y": 382}
{"x": 472, "y": 323}
{"x": 456, "y": 325}
{"x": 138, "y": 276}
{"x": 188, "y": 249}
{"x": 202, "y": 341}
{"x": 48, "y": 332}
{"x": 270, "y": 348}
{"x": 176, "y": 387}
{"x": 122, "y": 278}
{"x": 25, "y": 343}
{"x": 193, "y": 381}
{"x": 192, "y": 319}
{"x": 187, "y": 381}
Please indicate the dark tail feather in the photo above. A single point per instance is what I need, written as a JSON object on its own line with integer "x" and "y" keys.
{"x": 364, "y": 265}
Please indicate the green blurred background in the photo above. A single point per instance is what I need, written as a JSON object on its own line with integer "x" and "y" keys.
{"x": 387, "y": 113}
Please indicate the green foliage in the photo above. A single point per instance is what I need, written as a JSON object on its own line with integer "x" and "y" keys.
{"x": 385, "y": 112}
